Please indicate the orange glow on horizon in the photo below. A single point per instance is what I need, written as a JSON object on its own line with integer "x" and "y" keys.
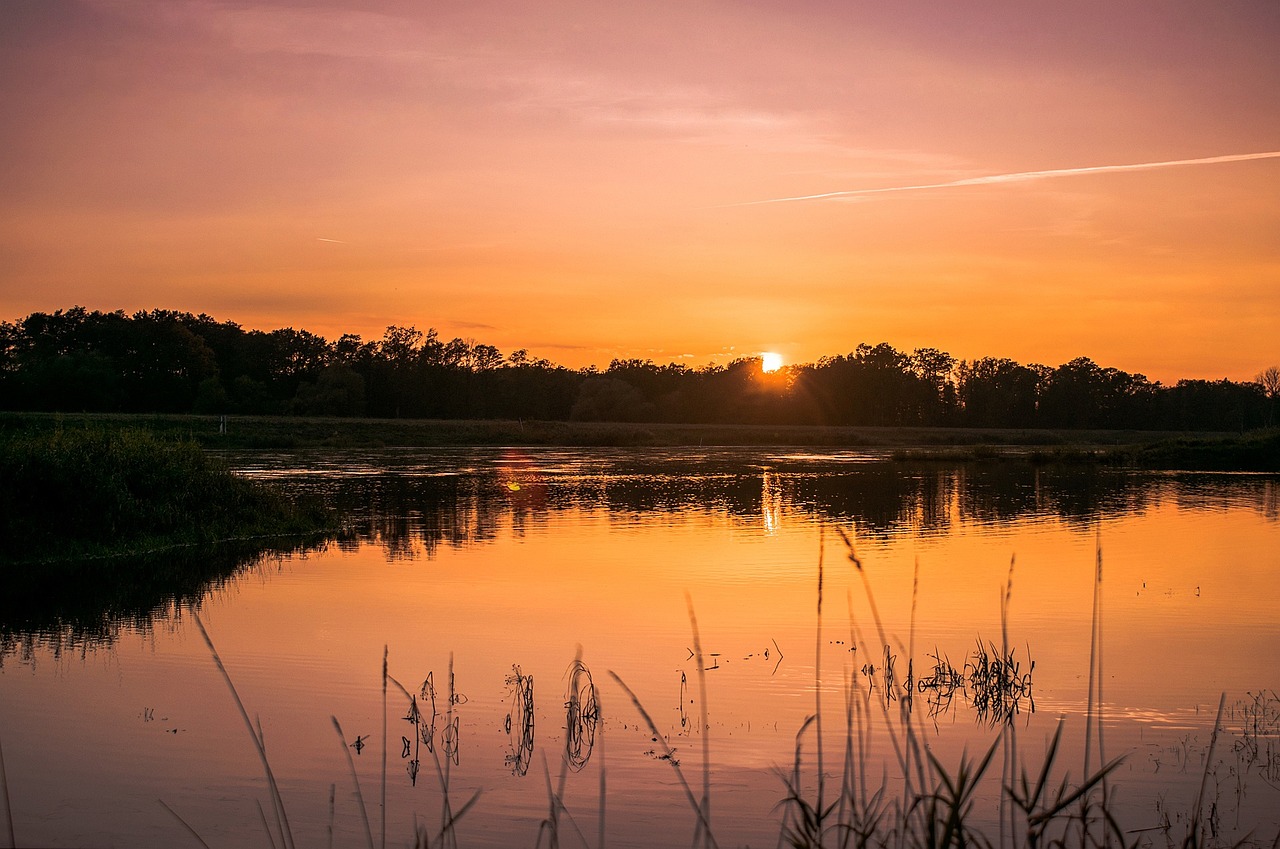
{"x": 534, "y": 180}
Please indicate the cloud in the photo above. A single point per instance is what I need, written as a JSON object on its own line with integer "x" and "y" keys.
{"x": 1017, "y": 177}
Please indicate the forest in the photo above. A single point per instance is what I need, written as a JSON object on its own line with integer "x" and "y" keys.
{"x": 163, "y": 361}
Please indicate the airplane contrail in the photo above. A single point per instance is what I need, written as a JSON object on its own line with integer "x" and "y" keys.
{"x": 1020, "y": 177}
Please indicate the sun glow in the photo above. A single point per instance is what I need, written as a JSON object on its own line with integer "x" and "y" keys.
{"x": 769, "y": 361}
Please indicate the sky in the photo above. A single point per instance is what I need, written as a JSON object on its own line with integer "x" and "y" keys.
{"x": 684, "y": 182}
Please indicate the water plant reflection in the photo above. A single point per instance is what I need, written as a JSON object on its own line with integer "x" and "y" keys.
{"x": 519, "y": 723}
{"x": 71, "y": 606}
{"x": 582, "y": 715}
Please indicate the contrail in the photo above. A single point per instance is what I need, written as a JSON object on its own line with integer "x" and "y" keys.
{"x": 335, "y": 241}
{"x": 1021, "y": 176}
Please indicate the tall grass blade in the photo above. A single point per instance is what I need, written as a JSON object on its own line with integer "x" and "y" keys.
{"x": 668, "y": 756}
{"x": 556, "y": 807}
{"x": 801, "y": 822}
{"x": 8, "y": 808}
{"x": 446, "y": 835}
{"x": 384, "y": 747}
{"x": 551, "y": 825}
{"x": 898, "y": 748}
{"x": 275, "y": 809}
{"x": 817, "y": 685}
{"x": 333, "y": 798}
{"x": 1102, "y": 748}
{"x": 355, "y": 779}
{"x": 276, "y": 799}
{"x": 266, "y": 828}
{"x": 446, "y": 829}
{"x": 1066, "y": 799}
{"x": 600, "y": 748}
{"x": 1008, "y": 732}
{"x": 705, "y": 806}
{"x": 185, "y": 825}
{"x": 1204, "y": 777}
{"x": 446, "y": 812}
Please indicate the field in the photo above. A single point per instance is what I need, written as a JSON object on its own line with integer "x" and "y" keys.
{"x": 282, "y": 432}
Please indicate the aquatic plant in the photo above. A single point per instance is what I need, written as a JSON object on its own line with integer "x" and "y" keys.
{"x": 1035, "y": 804}
{"x": 938, "y": 804}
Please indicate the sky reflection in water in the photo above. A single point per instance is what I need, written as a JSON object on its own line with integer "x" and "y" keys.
{"x": 507, "y": 564}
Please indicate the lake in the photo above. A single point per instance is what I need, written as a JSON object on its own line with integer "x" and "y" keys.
{"x": 522, "y": 597}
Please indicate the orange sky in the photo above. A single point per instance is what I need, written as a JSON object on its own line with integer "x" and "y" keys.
{"x": 579, "y": 178}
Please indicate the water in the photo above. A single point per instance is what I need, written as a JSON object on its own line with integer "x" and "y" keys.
{"x": 505, "y": 566}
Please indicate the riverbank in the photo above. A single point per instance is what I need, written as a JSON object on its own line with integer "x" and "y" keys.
{"x": 324, "y": 432}
{"x": 1253, "y": 452}
{"x": 91, "y": 490}
{"x": 1258, "y": 451}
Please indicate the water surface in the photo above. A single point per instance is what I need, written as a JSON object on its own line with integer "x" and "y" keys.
{"x": 502, "y": 579}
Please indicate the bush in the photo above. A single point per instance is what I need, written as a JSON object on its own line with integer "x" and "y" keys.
{"x": 82, "y": 491}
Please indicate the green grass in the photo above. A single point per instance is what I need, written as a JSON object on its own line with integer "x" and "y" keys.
{"x": 1257, "y": 452}
{"x": 1148, "y": 448}
{"x": 91, "y": 490}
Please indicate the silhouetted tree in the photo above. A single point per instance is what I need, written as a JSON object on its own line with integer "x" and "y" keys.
{"x": 1269, "y": 380}
{"x": 607, "y": 399}
{"x": 167, "y": 361}
{"x": 935, "y": 369}
{"x": 998, "y": 393}
{"x": 1219, "y": 405}
{"x": 337, "y": 391}
{"x": 1081, "y": 394}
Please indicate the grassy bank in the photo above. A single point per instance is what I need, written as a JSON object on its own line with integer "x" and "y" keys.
{"x": 1257, "y": 452}
{"x": 77, "y": 490}
{"x": 322, "y": 432}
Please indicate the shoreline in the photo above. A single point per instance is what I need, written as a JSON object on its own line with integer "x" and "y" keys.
{"x": 1209, "y": 451}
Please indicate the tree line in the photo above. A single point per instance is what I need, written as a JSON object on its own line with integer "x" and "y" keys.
{"x": 76, "y": 360}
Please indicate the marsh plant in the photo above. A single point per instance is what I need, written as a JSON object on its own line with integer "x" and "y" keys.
{"x": 1000, "y": 797}
{"x": 86, "y": 490}
{"x": 1035, "y": 803}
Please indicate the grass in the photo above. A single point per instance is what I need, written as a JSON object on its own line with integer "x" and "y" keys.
{"x": 285, "y": 432}
{"x": 938, "y": 802}
{"x": 1040, "y": 806}
{"x": 90, "y": 490}
{"x": 1258, "y": 451}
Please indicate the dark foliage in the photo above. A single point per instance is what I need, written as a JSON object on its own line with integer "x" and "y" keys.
{"x": 173, "y": 362}
{"x": 80, "y": 491}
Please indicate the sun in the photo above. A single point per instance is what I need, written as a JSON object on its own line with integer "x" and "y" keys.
{"x": 769, "y": 361}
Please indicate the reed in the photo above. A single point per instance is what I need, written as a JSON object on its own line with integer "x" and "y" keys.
{"x": 668, "y": 755}
{"x": 446, "y": 836}
{"x": 8, "y": 808}
{"x": 187, "y": 826}
{"x": 355, "y": 780}
{"x": 259, "y": 745}
{"x": 1040, "y": 806}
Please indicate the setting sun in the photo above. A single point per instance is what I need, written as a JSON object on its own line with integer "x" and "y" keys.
{"x": 770, "y": 361}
